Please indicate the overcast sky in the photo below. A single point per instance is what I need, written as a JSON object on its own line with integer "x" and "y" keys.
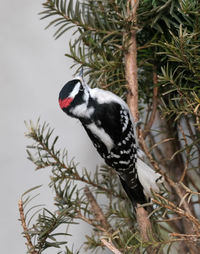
{"x": 33, "y": 69}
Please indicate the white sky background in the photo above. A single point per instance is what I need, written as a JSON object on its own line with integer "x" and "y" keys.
{"x": 33, "y": 69}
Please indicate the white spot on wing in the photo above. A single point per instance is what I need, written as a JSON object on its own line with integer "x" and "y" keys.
{"x": 115, "y": 155}
{"x": 124, "y": 162}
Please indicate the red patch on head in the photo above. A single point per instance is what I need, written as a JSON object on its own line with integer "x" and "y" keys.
{"x": 65, "y": 103}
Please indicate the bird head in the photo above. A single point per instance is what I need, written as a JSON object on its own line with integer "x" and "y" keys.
{"x": 74, "y": 93}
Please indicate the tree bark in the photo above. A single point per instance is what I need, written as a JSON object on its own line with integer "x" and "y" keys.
{"x": 132, "y": 99}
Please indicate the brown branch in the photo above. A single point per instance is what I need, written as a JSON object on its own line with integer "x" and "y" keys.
{"x": 131, "y": 62}
{"x": 99, "y": 217}
{"x": 89, "y": 221}
{"x": 143, "y": 223}
{"x": 157, "y": 151}
{"x": 158, "y": 169}
{"x": 171, "y": 206}
{"x": 26, "y": 235}
{"x": 187, "y": 236}
{"x": 149, "y": 156}
{"x": 96, "y": 209}
{"x": 110, "y": 246}
{"x": 131, "y": 78}
{"x": 180, "y": 193}
{"x": 132, "y": 99}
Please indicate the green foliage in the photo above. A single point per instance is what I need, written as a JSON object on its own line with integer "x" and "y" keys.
{"x": 42, "y": 232}
{"x": 162, "y": 23}
{"x": 99, "y": 44}
{"x": 102, "y": 29}
{"x": 180, "y": 78}
{"x": 168, "y": 58}
{"x": 72, "y": 203}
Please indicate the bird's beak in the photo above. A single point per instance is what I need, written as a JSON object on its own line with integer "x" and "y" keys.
{"x": 80, "y": 77}
{"x": 81, "y": 73}
{"x": 82, "y": 80}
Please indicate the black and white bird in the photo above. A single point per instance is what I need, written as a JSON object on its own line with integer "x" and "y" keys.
{"x": 110, "y": 126}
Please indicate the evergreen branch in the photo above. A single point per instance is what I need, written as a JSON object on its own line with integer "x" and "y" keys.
{"x": 174, "y": 185}
{"x": 167, "y": 39}
{"x": 90, "y": 22}
{"x": 59, "y": 8}
{"x": 30, "y": 245}
{"x": 43, "y": 230}
{"x": 89, "y": 222}
{"x": 99, "y": 44}
{"x": 171, "y": 206}
{"x": 42, "y": 135}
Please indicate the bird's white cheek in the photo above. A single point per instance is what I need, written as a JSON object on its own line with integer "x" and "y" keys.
{"x": 82, "y": 111}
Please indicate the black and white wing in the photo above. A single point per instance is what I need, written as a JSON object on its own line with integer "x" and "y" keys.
{"x": 112, "y": 133}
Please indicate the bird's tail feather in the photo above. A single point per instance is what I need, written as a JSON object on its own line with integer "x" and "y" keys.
{"x": 136, "y": 194}
{"x": 149, "y": 179}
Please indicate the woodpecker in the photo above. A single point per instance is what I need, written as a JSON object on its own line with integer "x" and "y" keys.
{"x": 111, "y": 128}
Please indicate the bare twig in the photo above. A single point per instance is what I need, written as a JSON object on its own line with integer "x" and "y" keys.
{"x": 185, "y": 236}
{"x": 149, "y": 156}
{"x": 110, "y": 246}
{"x": 173, "y": 184}
{"x": 89, "y": 222}
{"x": 171, "y": 206}
{"x": 26, "y": 235}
